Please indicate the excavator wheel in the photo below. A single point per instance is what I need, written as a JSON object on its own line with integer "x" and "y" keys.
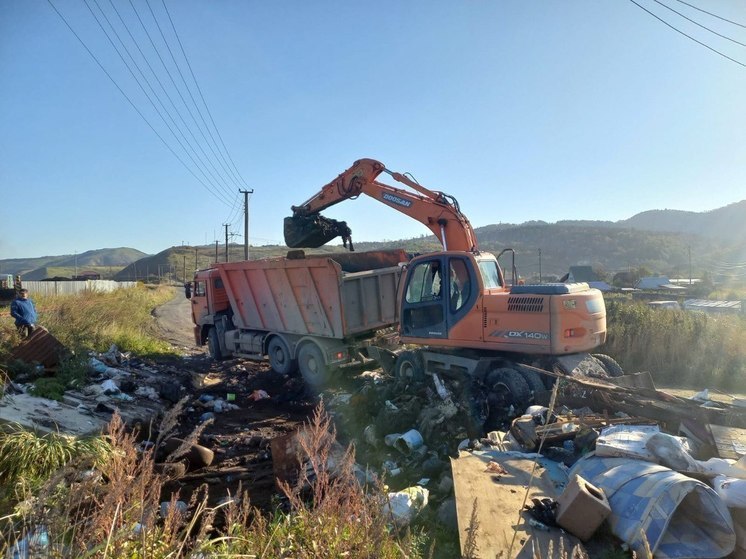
{"x": 612, "y": 368}
{"x": 535, "y": 384}
{"x": 279, "y": 357}
{"x": 511, "y": 385}
{"x": 409, "y": 366}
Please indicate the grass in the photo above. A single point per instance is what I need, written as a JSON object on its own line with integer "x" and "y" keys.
{"x": 109, "y": 507}
{"x": 679, "y": 348}
{"x": 92, "y": 321}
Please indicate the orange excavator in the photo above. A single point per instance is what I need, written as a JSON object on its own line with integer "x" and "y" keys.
{"x": 455, "y": 305}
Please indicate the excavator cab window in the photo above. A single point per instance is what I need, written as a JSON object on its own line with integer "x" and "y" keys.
{"x": 423, "y": 313}
{"x": 491, "y": 276}
{"x": 425, "y": 282}
{"x": 460, "y": 289}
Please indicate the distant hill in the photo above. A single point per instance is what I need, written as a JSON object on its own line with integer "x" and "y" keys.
{"x": 92, "y": 259}
{"x": 670, "y": 242}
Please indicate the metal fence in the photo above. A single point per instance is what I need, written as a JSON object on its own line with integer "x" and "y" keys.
{"x": 72, "y": 287}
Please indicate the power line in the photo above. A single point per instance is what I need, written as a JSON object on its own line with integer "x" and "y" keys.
{"x": 228, "y": 189}
{"x": 700, "y": 25}
{"x": 132, "y": 104}
{"x": 199, "y": 89}
{"x": 189, "y": 89}
{"x": 711, "y": 14}
{"x": 151, "y": 88}
{"x": 688, "y": 36}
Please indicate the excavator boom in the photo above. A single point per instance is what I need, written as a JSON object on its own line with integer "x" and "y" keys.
{"x": 439, "y": 212}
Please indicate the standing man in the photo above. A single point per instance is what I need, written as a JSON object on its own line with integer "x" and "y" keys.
{"x": 23, "y": 310}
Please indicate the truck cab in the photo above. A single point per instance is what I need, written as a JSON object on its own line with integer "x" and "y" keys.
{"x": 209, "y": 299}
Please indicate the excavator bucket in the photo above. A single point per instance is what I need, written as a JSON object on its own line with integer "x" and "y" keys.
{"x": 313, "y": 231}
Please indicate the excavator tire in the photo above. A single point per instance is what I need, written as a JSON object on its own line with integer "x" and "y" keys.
{"x": 612, "y": 368}
{"x": 535, "y": 384}
{"x": 279, "y": 357}
{"x": 511, "y": 384}
{"x": 409, "y": 366}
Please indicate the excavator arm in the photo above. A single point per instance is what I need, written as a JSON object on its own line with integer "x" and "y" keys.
{"x": 439, "y": 212}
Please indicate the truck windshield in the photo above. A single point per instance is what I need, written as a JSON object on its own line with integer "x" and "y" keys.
{"x": 490, "y": 274}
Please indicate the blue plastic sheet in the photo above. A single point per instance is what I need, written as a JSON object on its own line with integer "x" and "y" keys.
{"x": 660, "y": 512}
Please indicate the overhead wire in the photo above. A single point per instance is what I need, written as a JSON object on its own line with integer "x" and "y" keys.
{"x": 224, "y": 198}
{"x": 700, "y": 25}
{"x": 129, "y": 100}
{"x": 151, "y": 89}
{"x": 687, "y": 35}
{"x": 711, "y": 14}
{"x": 224, "y": 174}
{"x": 199, "y": 89}
{"x": 189, "y": 89}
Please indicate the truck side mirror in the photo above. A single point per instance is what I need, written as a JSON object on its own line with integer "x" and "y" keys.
{"x": 188, "y": 290}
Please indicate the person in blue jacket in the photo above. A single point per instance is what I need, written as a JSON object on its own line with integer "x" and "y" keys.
{"x": 23, "y": 310}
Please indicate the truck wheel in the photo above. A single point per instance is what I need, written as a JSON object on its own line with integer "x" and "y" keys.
{"x": 409, "y": 366}
{"x": 312, "y": 365}
{"x": 213, "y": 344}
{"x": 279, "y": 357}
{"x": 511, "y": 385}
{"x": 612, "y": 368}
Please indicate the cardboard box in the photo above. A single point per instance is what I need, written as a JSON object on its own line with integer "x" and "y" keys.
{"x": 582, "y": 508}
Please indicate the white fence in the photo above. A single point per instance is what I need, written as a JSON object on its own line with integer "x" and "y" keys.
{"x": 72, "y": 287}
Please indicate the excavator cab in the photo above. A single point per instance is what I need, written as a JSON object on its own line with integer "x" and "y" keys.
{"x": 441, "y": 289}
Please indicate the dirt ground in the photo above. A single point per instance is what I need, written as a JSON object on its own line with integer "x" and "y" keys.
{"x": 239, "y": 437}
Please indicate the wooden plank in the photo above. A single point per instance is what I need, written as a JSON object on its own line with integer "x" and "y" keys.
{"x": 730, "y": 442}
{"x": 499, "y": 501}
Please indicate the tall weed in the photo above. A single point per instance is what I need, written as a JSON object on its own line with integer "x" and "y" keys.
{"x": 679, "y": 348}
{"x": 94, "y": 321}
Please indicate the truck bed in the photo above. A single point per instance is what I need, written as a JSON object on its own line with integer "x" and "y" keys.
{"x": 313, "y": 295}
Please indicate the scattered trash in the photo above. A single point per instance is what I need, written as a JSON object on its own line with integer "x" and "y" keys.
{"x": 230, "y": 397}
{"x": 180, "y": 508}
{"x": 406, "y": 504}
{"x": 582, "y": 508}
{"x": 538, "y": 525}
{"x": 495, "y": 468}
{"x": 544, "y": 510}
{"x": 109, "y": 387}
{"x": 409, "y": 441}
{"x": 731, "y": 490}
{"x": 259, "y": 395}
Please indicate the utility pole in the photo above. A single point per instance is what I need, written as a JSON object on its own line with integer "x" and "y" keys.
{"x": 185, "y": 278}
{"x": 690, "y": 265}
{"x": 196, "y": 258}
{"x": 539, "y": 265}
{"x": 226, "y": 225}
{"x": 216, "y": 252}
{"x": 246, "y": 222}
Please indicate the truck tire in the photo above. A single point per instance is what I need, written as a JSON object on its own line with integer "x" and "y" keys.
{"x": 312, "y": 365}
{"x": 213, "y": 344}
{"x": 512, "y": 385}
{"x": 612, "y": 368}
{"x": 409, "y": 366}
{"x": 279, "y": 357}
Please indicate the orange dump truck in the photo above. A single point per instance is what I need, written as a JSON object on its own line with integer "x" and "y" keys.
{"x": 311, "y": 313}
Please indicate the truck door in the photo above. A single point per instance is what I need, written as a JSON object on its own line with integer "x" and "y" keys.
{"x": 426, "y": 300}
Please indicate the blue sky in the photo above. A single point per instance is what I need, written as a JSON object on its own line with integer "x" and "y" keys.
{"x": 522, "y": 110}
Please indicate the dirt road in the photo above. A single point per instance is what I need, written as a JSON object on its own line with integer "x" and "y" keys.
{"x": 175, "y": 322}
